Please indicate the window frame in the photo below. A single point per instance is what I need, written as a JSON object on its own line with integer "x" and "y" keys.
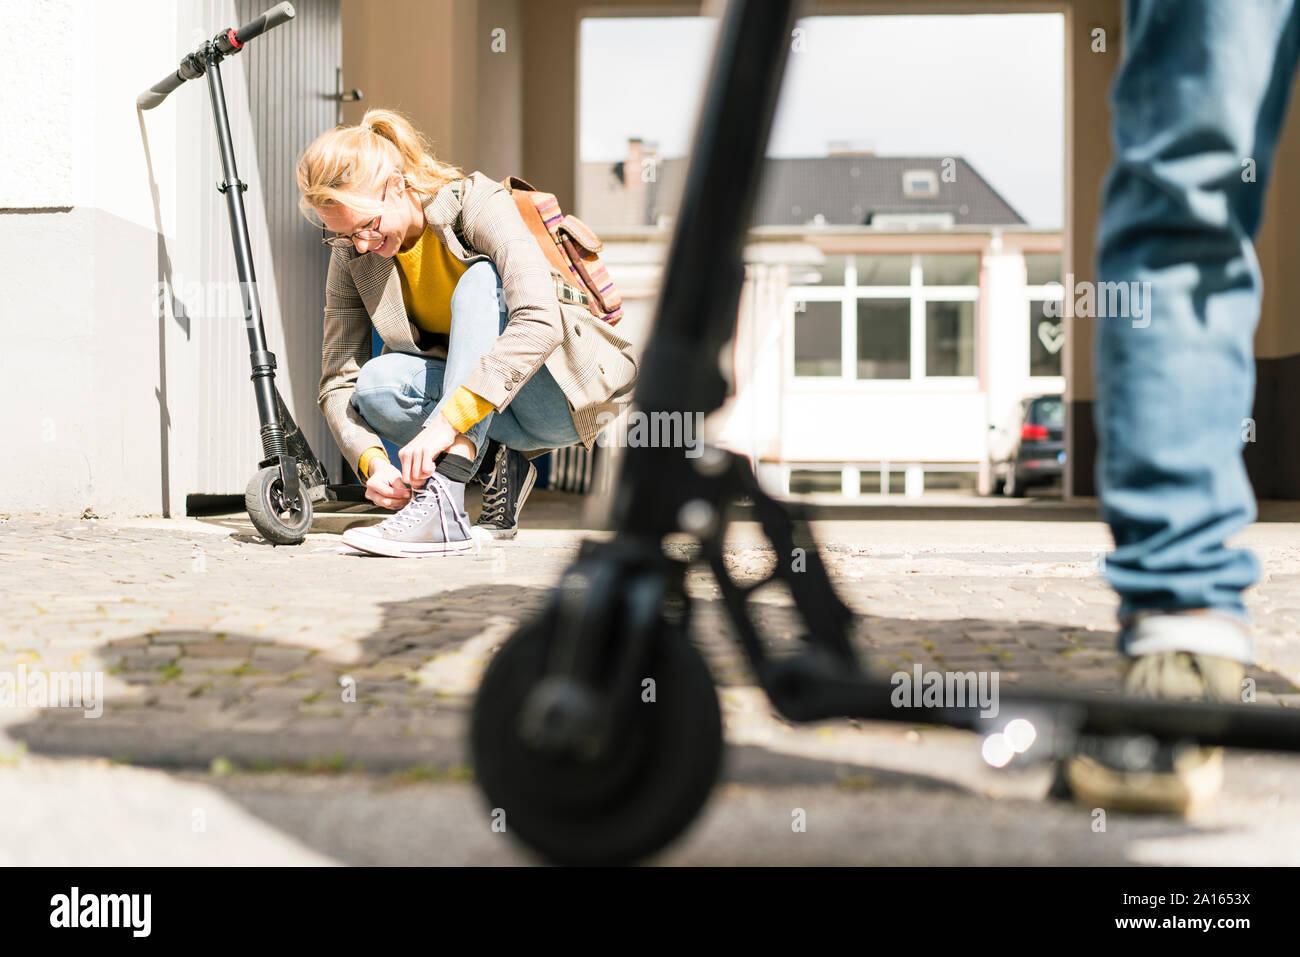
{"x": 848, "y": 293}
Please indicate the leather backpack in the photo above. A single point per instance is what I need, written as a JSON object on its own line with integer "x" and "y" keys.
{"x": 570, "y": 247}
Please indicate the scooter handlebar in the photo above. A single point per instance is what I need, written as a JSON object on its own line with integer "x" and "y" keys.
{"x": 159, "y": 91}
{"x": 278, "y": 14}
{"x": 229, "y": 42}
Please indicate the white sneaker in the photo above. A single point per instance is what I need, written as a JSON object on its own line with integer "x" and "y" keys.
{"x": 432, "y": 523}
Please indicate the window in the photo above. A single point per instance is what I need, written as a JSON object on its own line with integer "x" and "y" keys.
{"x": 817, "y": 338}
{"x": 869, "y": 482}
{"x": 950, "y": 270}
{"x": 884, "y": 339}
{"x": 1042, "y": 268}
{"x": 805, "y": 481}
{"x": 950, "y": 338}
{"x": 1046, "y": 339}
{"x": 884, "y": 270}
{"x": 950, "y": 481}
{"x": 911, "y": 316}
{"x": 909, "y": 479}
{"x": 827, "y": 273}
{"x": 920, "y": 182}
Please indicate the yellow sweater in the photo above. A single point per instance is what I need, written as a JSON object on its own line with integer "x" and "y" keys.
{"x": 429, "y": 273}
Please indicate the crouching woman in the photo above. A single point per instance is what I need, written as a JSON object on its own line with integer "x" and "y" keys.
{"x": 486, "y": 362}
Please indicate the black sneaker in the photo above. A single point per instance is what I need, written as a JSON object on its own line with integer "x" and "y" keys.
{"x": 488, "y": 465}
{"x": 505, "y": 489}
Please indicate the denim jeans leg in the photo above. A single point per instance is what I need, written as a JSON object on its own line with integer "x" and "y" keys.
{"x": 478, "y": 317}
{"x": 1201, "y": 91}
{"x": 538, "y": 418}
{"x": 395, "y": 393}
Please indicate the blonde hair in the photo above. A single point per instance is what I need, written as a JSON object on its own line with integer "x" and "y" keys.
{"x": 348, "y": 165}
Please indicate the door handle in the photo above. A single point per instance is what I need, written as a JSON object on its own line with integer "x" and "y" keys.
{"x": 342, "y": 96}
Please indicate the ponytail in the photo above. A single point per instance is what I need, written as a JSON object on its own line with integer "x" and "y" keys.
{"x": 348, "y": 165}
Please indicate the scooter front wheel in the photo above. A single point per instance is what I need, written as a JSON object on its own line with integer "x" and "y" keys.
{"x": 633, "y": 799}
{"x": 280, "y": 522}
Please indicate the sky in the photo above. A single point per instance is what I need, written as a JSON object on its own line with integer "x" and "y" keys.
{"x": 990, "y": 88}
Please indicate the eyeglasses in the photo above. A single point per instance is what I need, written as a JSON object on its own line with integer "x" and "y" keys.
{"x": 367, "y": 233}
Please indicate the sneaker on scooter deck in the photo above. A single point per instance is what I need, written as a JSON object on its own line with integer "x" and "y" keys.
{"x": 1177, "y": 779}
{"x": 505, "y": 489}
{"x": 433, "y": 523}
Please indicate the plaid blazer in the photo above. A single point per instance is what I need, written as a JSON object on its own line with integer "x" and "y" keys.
{"x": 478, "y": 221}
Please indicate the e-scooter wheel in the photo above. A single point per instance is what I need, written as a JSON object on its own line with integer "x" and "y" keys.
{"x": 646, "y": 787}
{"x": 280, "y": 522}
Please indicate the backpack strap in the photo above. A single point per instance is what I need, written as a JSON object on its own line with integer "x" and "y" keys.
{"x": 512, "y": 183}
{"x": 456, "y": 185}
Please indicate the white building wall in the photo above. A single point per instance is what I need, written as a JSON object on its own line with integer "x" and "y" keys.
{"x": 870, "y": 425}
{"x": 78, "y": 255}
{"x": 37, "y": 154}
{"x": 117, "y": 399}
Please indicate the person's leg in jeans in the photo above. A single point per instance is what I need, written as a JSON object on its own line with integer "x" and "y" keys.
{"x": 398, "y": 394}
{"x": 478, "y": 317}
{"x": 538, "y": 418}
{"x": 1198, "y": 101}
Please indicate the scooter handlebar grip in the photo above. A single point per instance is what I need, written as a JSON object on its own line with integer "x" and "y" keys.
{"x": 277, "y": 15}
{"x": 159, "y": 91}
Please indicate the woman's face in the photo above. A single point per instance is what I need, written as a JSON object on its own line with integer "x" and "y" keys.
{"x": 399, "y": 220}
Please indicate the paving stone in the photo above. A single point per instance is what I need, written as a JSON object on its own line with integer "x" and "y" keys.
{"x": 219, "y": 649}
{"x": 189, "y": 663}
{"x": 146, "y": 662}
{"x": 281, "y": 653}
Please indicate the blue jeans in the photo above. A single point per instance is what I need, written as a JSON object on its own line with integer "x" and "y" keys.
{"x": 398, "y": 393}
{"x": 1196, "y": 109}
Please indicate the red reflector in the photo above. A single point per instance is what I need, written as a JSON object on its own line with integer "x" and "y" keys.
{"x": 1028, "y": 431}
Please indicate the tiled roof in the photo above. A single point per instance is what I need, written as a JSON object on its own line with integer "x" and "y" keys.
{"x": 847, "y": 189}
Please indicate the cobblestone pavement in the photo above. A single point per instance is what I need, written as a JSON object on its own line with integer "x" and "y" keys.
{"x": 220, "y": 650}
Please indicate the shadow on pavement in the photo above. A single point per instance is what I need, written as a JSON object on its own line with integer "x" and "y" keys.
{"x": 395, "y": 701}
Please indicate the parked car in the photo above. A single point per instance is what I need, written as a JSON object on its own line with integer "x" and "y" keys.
{"x": 1030, "y": 449}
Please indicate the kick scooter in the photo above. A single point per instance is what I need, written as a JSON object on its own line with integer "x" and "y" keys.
{"x": 290, "y": 478}
{"x": 596, "y": 729}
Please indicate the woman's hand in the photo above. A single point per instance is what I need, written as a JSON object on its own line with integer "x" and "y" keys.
{"x": 384, "y": 487}
{"x": 418, "y": 455}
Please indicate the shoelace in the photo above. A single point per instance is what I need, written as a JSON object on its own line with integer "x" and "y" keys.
{"x": 499, "y": 463}
{"x": 495, "y": 501}
{"x": 418, "y": 507}
{"x": 495, "y": 493}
